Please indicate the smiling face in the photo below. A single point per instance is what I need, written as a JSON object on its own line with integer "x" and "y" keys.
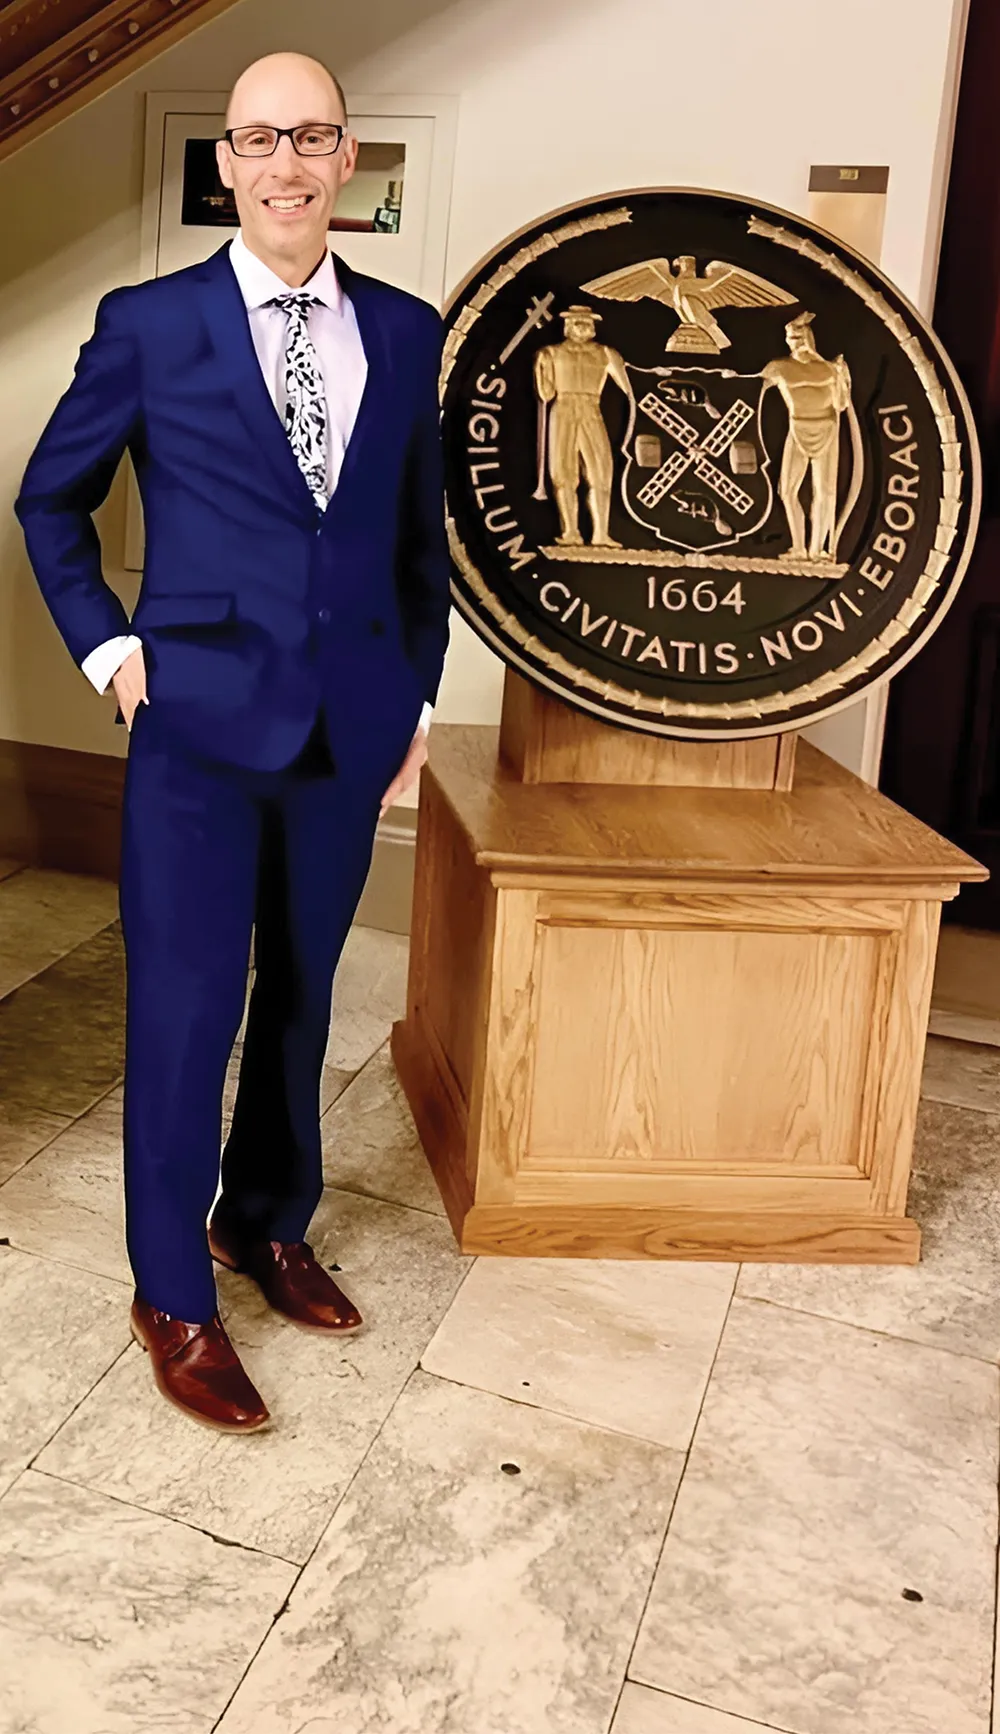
{"x": 285, "y": 201}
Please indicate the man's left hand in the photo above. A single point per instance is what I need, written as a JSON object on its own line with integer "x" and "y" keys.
{"x": 408, "y": 771}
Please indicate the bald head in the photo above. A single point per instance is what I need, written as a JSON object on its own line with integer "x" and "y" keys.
{"x": 286, "y": 186}
{"x": 282, "y": 80}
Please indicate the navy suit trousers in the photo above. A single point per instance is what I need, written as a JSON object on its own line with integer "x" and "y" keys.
{"x": 210, "y": 854}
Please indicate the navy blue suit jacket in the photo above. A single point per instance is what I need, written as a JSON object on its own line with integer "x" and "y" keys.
{"x": 256, "y": 609}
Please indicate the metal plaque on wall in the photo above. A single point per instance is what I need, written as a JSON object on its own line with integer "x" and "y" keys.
{"x": 708, "y": 472}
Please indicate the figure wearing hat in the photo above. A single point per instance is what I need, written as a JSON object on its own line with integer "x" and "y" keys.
{"x": 816, "y": 392}
{"x": 569, "y": 378}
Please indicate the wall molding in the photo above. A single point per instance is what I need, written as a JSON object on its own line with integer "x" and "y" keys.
{"x": 62, "y": 808}
{"x": 58, "y": 55}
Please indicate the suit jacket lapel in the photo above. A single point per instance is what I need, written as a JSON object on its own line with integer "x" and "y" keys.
{"x": 225, "y": 315}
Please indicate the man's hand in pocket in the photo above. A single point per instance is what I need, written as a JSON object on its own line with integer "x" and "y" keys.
{"x": 130, "y": 686}
{"x": 408, "y": 771}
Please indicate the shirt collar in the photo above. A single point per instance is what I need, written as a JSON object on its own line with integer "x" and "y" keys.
{"x": 259, "y": 284}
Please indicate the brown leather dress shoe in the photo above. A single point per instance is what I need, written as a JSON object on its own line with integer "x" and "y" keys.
{"x": 290, "y": 1278}
{"x": 198, "y": 1370}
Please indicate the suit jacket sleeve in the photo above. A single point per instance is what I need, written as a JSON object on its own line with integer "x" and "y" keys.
{"x": 424, "y": 565}
{"x": 69, "y": 476}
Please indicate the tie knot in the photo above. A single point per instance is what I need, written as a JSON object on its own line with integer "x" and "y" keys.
{"x": 296, "y": 301}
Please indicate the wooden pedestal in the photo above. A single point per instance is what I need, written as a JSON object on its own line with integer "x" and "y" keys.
{"x": 543, "y": 741}
{"x": 669, "y": 1022}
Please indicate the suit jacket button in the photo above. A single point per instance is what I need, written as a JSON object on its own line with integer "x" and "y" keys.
{"x": 378, "y": 628}
{"x": 324, "y": 617}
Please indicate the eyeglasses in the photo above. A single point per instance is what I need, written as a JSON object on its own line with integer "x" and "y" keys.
{"x": 321, "y": 140}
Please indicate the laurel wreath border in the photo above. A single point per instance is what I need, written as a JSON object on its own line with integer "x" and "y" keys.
{"x": 812, "y": 693}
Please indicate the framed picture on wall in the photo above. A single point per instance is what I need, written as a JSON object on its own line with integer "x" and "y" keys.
{"x": 391, "y": 219}
{"x": 370, "y": 203}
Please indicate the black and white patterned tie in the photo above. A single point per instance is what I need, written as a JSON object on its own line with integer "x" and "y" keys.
{"x": 306, "y": 422}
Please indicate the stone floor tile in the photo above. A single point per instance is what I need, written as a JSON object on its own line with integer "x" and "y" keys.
{"x": 369, "y": 994}
{"x": 952, "y": 1297}
{"x": 450, "y": 1596}
{"x": 616, "y": 1342}
{"x": 832, "y": 1472}
{"x": 116, "y": 1621}
{"x": 62, "y": 1034}
{"x": 643, "y": 1711}
{"x": 61, "y": 1330}
{"x": 23, "y": 1132}
{"x": 67, "y": 1203}
{"x": 44, "y": 915}
{"x": 370, "y": 1143}
{"x": 327, "y": 1398}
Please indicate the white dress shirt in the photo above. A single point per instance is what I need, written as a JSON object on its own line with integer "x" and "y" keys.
{"x": 333, "y": 328}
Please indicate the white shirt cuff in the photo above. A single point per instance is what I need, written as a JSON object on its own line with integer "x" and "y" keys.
{"x": 103, "y": 664}
{"x": 425, "y": 719}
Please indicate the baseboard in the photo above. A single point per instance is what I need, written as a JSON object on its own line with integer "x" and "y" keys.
{"x": 388, "y": 894}
{"x": 60, "y": 808}
{"x": 964, "y": 1027}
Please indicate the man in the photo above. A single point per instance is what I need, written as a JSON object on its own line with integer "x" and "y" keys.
{"x": 288, "y": 640}
{"x": 570, "y": 377}
{"x": 816, "y": 393}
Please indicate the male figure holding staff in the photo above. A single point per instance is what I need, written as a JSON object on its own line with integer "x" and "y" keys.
{"x": 569, "y": 380}
{"x": 281, "y": 413}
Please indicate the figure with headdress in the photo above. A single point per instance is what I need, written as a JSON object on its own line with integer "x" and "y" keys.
{"x": 816, "y": 392}
{"x": 572, "y": 439}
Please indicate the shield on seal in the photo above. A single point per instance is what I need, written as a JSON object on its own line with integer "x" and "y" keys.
{"x": 697, "y": 470}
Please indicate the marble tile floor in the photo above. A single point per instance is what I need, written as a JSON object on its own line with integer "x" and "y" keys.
{"x": 535, "y": 1497}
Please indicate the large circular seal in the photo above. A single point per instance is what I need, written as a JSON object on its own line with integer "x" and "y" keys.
{"x": 708, "y": 472}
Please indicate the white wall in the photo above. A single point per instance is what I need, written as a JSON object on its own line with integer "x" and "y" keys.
{"x": 560, "y": 99}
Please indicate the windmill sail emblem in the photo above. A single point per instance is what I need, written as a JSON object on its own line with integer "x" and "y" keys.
{"x": 693, "y": 298}
{"x": 697, "y": 469}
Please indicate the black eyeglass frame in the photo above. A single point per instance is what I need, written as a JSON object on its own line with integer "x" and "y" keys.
{"x": 286, "y": 132}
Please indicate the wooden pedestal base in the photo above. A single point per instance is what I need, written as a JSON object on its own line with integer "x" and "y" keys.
{"x": 649, "y": 1022}
{"x": 544, "y": 741}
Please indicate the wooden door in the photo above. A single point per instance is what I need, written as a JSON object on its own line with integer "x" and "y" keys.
{"x": 942, "y": 750}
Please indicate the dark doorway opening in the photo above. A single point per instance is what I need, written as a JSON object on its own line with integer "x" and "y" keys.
{"x": 942, "y": 750}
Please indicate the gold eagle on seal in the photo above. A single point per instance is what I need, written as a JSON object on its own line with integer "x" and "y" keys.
{"x": 692, "y": 297}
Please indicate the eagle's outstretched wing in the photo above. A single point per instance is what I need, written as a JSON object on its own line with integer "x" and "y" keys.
{"x": 650, "y": 277}
{"x": 730, "y": 286}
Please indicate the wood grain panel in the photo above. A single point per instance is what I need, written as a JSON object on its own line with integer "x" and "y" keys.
{"x": 727, "y": 1236}
{"x": 451, "y": 936}
{"x": 803, "y": 1190}
{"x": 701, "y": 1046}
{"x": 746, "y": 912}
{"x": 830, "y": 828}
{"x": 760, "y": 885}
{"x": 432, "y": 818}
{"x": 697, "y": 1026}
{"x": 510, "y": 1037}
{"x": 543, "y": 740}
{"x": 441, "y": 1129}
{"x": 906, "y": 1014}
